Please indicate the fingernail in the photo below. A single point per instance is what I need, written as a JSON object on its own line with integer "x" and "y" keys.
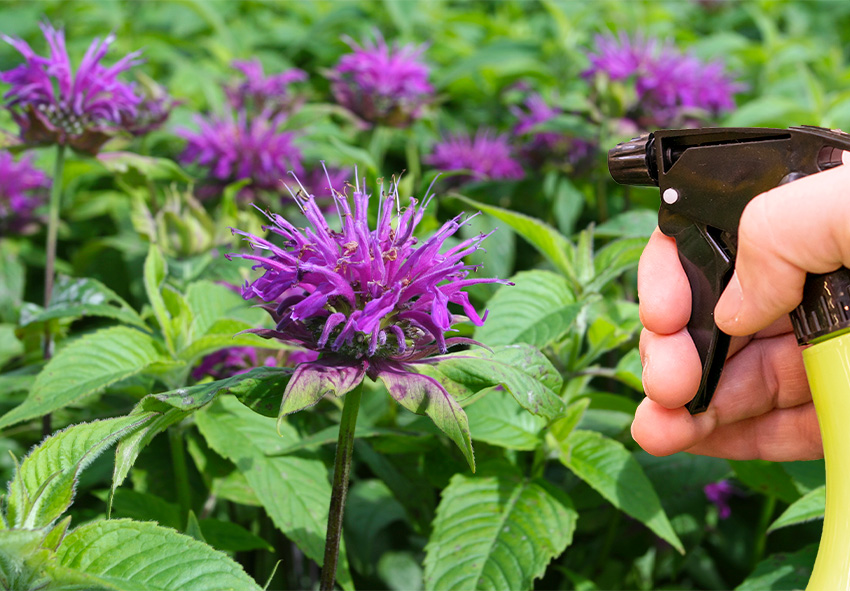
{"x": 729, "y": 305}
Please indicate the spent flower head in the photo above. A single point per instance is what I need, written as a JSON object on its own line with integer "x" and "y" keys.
{"x": 672, "y": 88}
{"x": 259, "y": 92}
{"x": 381, "y": 83}
{"x": 22, "y": 189}
{"x": 52, "y": 104}
{"x": 486, "y": 155}
{"x": 243, "y": 148}
{"x": 370, "y": 301}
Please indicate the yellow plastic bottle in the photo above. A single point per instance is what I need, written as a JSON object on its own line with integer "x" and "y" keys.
{"x": 828, "y": 370}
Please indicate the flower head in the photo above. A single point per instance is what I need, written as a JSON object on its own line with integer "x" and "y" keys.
{"x": 671, "y": 87}
{"x": 228, "y": 362}
{"x": 152, "y": 112}
{"x": 260, "y": 92}
{"x": 486, "y": 156}
{"x": 244, "y": 148}
{"x": 22, "y": 188}
{"x": 52, "y": 104}
{"x": 719, "y": 494}
{"x": 371, "y": 301}
{"x": 382, "y": 84}
{"x": 540, "y": 148}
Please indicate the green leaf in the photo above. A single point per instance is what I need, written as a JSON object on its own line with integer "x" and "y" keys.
{"x": 768, "y": 478}
{"x": 613, "y": 260}
{"x": 10, "y": 346}
{"x": 141, "y": 168}
{"x": 369, "y": 509}
{"x": 520, "y": 369}
{"x": 608, "y": 467}
{"x": 539, "y": 309}
{"x": 782, "y": 571}
{"x": 12, "y": 276}
{"x": 120, "y": 555}
{"x": 75, "y": 298}
{"x": 231, "y": 537}
{"x": 22, "y": 559}
{"x": 154, "y": 275}
{"x": 294, "y": 490}
{"x": 43, "y": 487}
{"x": 638, "y": 223}
{"x": 85, "y": 367}
{"x": 496, "y": 532}
{"x": 497, "y": 419}
{"x": 809, "y": 507}
{"x": 546, "y": 239}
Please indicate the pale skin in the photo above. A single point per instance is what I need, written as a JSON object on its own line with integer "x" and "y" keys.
{"x": 762, "y": 408}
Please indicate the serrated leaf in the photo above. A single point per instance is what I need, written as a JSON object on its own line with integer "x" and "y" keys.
{"x": 294, "y": 491}
{"x": 121, "y": 554}
{"x": 608, "y": 467}
{"x": 809, "y": 507}
{"x": 43, "y": 487}
{"x": 521, "y": 369}
{"x": 75, "y": 298}
{"x": 538, "y": 309}
{"x": 497, "y": 419}
{"x": 496, "y": 532}
{"x": 546, "y": 239}
{"x": 85, "y": 367}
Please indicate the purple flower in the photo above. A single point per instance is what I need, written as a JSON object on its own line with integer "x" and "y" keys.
{"x": 486, "y": 156}
{"x": 382, "y": 84}
{"x": 259, "y": 92}
{"x": 152, "y": 112}
{"x": 54, "y": 105}
{"x": 541, "y": 148}
{"x": 719, "y": 493}
{"x": 372, "y": 301}
{"x": 247, "y": 148}
{"x": 672, "y": 88}
{"x": 22, "y": 188}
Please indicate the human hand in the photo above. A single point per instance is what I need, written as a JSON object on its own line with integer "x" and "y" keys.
{"x": 762, "y": 407}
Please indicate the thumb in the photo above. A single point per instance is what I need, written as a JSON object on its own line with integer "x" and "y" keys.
{"x": 799, "y": 228}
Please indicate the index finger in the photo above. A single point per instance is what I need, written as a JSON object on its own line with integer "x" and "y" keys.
{"x": 663, "y": 290}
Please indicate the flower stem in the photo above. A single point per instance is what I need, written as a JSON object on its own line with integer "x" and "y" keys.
{"x": 342, "y": 469}
{"x": 50, "y": 260}
{"x": 181, "y": 473}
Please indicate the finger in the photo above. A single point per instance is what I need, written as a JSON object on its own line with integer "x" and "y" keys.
{"x": 783, "y": 435}
{"x": 665, "y": 296}
{"x": 783, "y": 234}
{"x": 663, "y": 431}
{"x": 671, "y": 367}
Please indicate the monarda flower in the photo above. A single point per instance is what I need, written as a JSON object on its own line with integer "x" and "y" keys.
{"x": 245, "y": 148}
{"x": 52, "y": 104}
{"x": 672, "y": 88}
{"x": 549, "y": 148}
{"x": 486, "y": 156}
{"x": 22, "y": 189}
{"x": 719, "y": 494}
{"x": 382, "y": 84}
{"x": 258, "y": 92}
{"x": 372, "y": 302}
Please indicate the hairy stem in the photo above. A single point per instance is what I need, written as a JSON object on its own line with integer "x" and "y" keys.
{"x": 342, "y": 469}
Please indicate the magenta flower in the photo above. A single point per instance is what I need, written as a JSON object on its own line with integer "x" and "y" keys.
{"x": 259, "y": 92}
{"x": 244, "y": 148}
{"x": 719, "y": 494}
{"x": 22, "y": 189}
{"x": 487, "y": 156}
{"x": 230, "y": 362}
{"x": 382, "y": 84}
{"x": 54, "y": 105}
{"x": 152, "y": 112}
{"x": 549, "y": 148}
{"x": 372, "y": 301}
{"x": 671, "y": 88}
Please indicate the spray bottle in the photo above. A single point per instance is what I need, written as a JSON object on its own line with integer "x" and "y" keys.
{"x": 706, "y": 178}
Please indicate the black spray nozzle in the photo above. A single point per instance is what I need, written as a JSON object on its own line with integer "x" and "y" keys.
{"x": 706, "y": 177}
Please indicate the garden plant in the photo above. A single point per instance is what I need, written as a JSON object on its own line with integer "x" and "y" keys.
{"x": 300, "y": 295}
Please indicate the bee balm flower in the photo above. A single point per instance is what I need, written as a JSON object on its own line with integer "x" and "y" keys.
{"x": 370, "y": 301}
{"x": 22, "y": 188}
{"x": 486, "y": 156}
{"x": 54, "y": 105}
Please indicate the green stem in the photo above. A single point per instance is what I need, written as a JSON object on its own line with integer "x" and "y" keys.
{"x": 767, "y": 511}
{"x": 50, "y": 261}
{"x": 181, "y": 473}
{"x": 342, "y": 469}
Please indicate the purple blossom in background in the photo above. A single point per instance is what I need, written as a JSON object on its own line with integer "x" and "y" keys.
{"x": 54, "y": 105}
{"x": 259, "y": 92}
{"x": 719, "y": 493}
{"x": 152, "y": 112}
{"x": 541, "y": 148}
{"x": 672, "y": 88}
{"x": 487, "y": 156}
{"x": 371, "y": 301}
{"x": 382, "y": 84}
{"x": 245, "y": 148}
{"x": 22, "y": 188}
{"x": 230, "y": 362}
